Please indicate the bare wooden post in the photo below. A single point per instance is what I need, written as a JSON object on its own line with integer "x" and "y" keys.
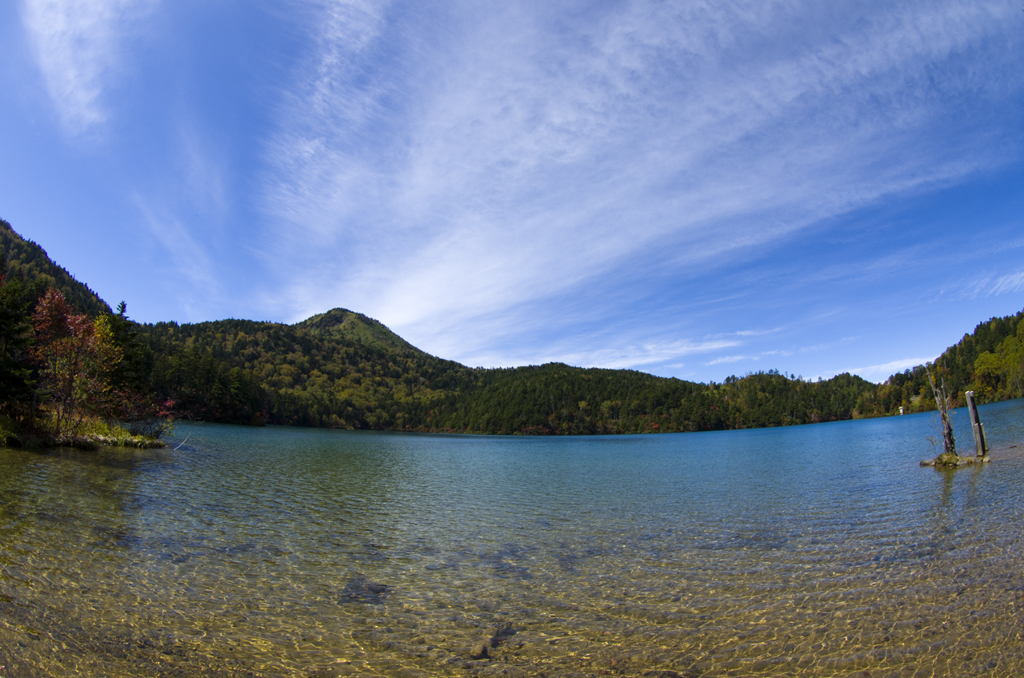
{"x": 942, "y": 401}
{"x": 980, "y": 444}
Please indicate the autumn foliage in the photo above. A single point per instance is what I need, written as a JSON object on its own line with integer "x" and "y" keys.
{"x": 74, "y": 356}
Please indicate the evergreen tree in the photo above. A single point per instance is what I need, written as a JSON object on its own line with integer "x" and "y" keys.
{"x": 15, "y": 343}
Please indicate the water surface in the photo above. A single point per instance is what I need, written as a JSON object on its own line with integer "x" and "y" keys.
{"x": 808, "y": 551}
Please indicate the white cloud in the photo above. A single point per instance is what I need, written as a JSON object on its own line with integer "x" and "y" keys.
{"x": 77, "y": 45}
{"x": 878, "y": 373}
{"x": 1013, "y": 282}
{"x": 756, "y": 333}
{"x": 203, "y": 173}
{"x": 647, "y": 354}
{"x": 188, "y": 258}
{"x": 829, "y": 345}
{"x": 315, "y": 171}
{"x": 443, "y": 173}
{"x": 754, "y": 357}
{"x": 619, "y": 357}
{"x": 991, "y": 285}
{"x": 729, "y": 359}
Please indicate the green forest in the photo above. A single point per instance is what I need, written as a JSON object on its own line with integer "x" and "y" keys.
{"x": 989, "y": 361}
{"x": 65, "y": 356}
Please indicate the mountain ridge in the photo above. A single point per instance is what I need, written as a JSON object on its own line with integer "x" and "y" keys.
{"x": 28, "y": 261}
{"x": 343, "y": 369}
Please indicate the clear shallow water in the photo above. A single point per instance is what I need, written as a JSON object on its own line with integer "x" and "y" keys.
{"x": 817, "y": 550}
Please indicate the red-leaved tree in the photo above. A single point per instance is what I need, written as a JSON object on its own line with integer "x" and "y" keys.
{"x": 73, "y": 361}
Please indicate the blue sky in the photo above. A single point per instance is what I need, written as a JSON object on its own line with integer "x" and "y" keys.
{"x": 692, "y": 189}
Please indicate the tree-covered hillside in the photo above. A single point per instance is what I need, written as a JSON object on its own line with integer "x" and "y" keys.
{"x": 556, "y": 398}
{"x": 989, "y": 361}
{"x": 338, "y": 369}
{"x": 343, "y": 369}
{"x": 28, "y": 262}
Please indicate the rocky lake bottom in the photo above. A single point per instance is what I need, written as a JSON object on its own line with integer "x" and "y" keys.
{"x": 821, "y": 550}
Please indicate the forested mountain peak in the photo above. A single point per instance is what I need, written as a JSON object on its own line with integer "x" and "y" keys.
{"x": 356, "y": 327}
{"x": 343, "y": 369}
{"x": 29, "y": 262}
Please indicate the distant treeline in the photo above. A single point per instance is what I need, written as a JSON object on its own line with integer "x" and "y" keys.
{"x": 558, "y": 399}
{"x": 341, "y": 369}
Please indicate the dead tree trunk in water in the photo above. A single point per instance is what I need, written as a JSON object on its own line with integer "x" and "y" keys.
{"x": 980, "y": 444}
{"x": 942, "y": 400}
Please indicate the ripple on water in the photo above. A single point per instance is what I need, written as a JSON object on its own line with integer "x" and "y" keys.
{"x": 296, "y": 552}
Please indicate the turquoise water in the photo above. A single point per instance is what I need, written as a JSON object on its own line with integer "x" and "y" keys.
{"x": 816, "y": 550}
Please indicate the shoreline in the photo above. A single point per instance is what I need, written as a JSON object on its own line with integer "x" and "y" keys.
{"x": 86, "y": 443}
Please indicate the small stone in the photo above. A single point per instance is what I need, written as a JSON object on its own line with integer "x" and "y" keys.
{"x": 479, "y": 651}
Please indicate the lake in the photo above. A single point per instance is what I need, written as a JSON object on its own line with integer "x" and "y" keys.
{"x": 817, "y": 550}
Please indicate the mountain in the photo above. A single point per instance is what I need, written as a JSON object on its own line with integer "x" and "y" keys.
{"x": 338, "y": 369}
{"x": 340, "y": 322}
{"x": 29, "y": 262}
{"x": 343, "y": 369}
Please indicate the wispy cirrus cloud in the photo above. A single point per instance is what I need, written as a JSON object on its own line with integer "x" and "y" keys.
{"x": 643, "y": 355}
{"x": 189, "y": 258}
{"x": 317, "y": 156}
{"x": 440, "y": 166}
{"x": 878, "y": 373}
{"x": 723, "y": 360}
{"x": 993, "y": 285}
{"x": 827, "y": 346}
{"x": 1005, "y": 284}
{"x": 726, "y": 359}
{"x": 757, "y": 333}
{"x": 622, "y": 356}
{"x": 203, "y": 174}
{"x": 77, "y": 46}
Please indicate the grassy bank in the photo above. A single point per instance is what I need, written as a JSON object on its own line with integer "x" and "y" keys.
{"x": 92, "y": 434}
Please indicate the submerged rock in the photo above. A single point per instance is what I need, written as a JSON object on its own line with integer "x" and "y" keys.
{"x": 499, "y": 634}
{"x": 359, "y": 589}
{"x": 502, "y": 632}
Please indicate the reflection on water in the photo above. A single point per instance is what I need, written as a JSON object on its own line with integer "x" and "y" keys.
{"x": 818, "y": 550}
